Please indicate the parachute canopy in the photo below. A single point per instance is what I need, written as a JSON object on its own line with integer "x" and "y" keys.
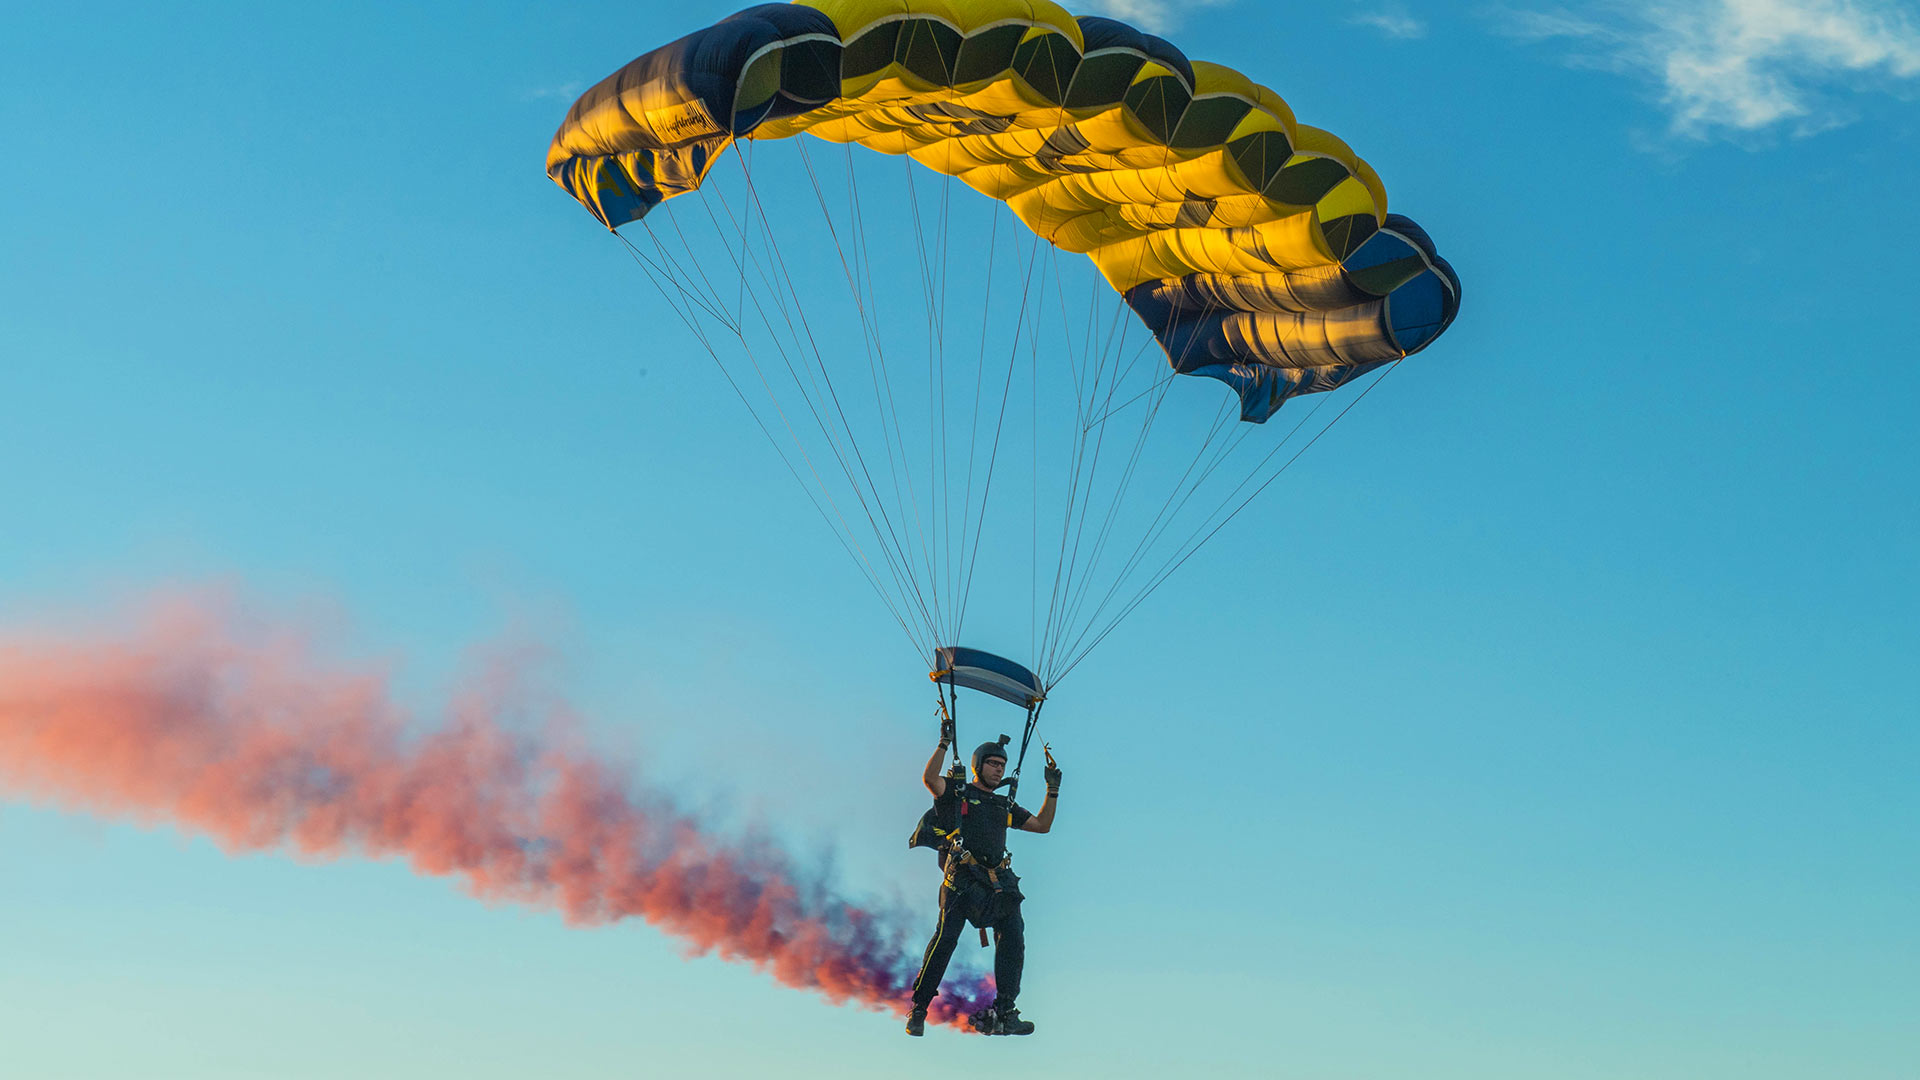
{"x": 1258, "y": 250}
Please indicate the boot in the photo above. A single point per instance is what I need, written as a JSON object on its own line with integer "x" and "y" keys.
{"x": 917, "y": 1020}
{"x": 1008, "y": 1022}
{"x": 1000, "y": 1020}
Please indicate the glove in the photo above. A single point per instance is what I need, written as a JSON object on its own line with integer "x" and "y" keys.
{"x": 1051, "y": 774}
{"x": 946, "y": 732}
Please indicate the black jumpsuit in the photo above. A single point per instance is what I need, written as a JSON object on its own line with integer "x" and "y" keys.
{"x": 969, "y": 895}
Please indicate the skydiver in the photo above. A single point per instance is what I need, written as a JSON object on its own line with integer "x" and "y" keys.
{"x": 980, "y": 886}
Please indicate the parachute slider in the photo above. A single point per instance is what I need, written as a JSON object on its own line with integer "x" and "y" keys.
{"x": 987, "y": 673}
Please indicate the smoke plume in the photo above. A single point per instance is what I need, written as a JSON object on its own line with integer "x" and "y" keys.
{"x": 205, "y": 720}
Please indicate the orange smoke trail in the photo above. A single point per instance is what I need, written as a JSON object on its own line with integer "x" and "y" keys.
{"x": 250, "y": 738}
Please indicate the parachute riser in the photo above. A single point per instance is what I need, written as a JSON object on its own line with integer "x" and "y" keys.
{"x": 949, "y": 705}
{"x": 1026, "y": 739}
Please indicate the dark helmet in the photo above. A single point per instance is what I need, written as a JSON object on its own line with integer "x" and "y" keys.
{"x": 990, "y": 750}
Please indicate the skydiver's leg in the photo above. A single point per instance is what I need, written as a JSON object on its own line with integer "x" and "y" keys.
{"x": 933, "y": 967}
{"x": 1009, "y": 958}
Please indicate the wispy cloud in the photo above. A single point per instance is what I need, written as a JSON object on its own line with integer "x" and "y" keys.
{"x": 1393, "y": 21}
{"x": 1153, "y": 16}
{"x": 565, "y": 91}
{"x": 1738, "y": 66}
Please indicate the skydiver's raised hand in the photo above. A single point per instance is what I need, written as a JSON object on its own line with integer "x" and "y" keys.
{"x": 935, "y": 783}
{"x": 1042, "y": 822}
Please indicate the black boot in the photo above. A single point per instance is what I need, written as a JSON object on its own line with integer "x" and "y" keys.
{"x": 1008, "y": 1022}
{"x": 917, "y": 1020}
{"x": 1000, "y": 1020}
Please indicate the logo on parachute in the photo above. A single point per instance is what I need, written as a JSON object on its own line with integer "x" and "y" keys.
{"x": 685, "y": 122}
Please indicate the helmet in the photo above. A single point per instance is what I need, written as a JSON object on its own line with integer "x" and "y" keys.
{"x": 990, "y": 750}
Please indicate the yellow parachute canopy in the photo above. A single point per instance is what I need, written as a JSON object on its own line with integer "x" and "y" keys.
{"x": 1257, "y": 249}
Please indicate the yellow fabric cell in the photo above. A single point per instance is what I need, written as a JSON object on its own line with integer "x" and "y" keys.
{"x": 784, "y": 128}
{"x": 1078, "y": 193}
{"x": 1014, "y": 147}
{"x": 840, "y": 129}
{"x": 850, "y": 17}
{"x": 1175, "y": 253}
{"x": 974, "y": 15}
{"x": 1320, "y": 288}
{"x": 1258, "y": 120}
{"x": 1293, "y": 243}
{"x": 1372, "y": 179}
{"x": 1055, "y": 17}
{"x": 959, "y": 156}
{"x": 1092, "y": 162}
{"x": 1277, "y": 106}
{"x": 1101, "y": 228}
{"x": 1210, "y": 175}
{"x": 1326, "y": 143}
{"x": 1005, "y": 96}
{"x": 1160, "y": 255}
{"x": 889, "y": 142}
{"x": 1154, "y": 70}
{"x": 889, "y": 84}
{"x": 1113, "y": 131}
{"x": 1311, "y": 140}
{"x": 1349, "y": 196}
{"x": 1221, "y": 79}
{"x": 999, "y": 182}
{"x": 894, "y": 117}
{"x": 1112, "y": 224}
{"x": 596, "y": 131}
{"x": 1251, "y": 208}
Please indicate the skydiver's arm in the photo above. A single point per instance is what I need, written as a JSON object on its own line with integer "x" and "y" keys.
{"x": 935, "y": 782}
{"x": 1042, "y": 821}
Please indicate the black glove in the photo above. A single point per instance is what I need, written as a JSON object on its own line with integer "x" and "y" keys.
{"x": 1051, "y": 774}
{"x": 946, "y": 732}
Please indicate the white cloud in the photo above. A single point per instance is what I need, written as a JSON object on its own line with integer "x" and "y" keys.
{"x": 1153, "y": 16}
{"x": 565, "y": 91}
{"x": 1393, "y": 21}
{"x": 1729, "y": 66}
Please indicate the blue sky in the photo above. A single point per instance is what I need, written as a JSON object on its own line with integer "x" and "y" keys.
{"x": 1551, "y": 717}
